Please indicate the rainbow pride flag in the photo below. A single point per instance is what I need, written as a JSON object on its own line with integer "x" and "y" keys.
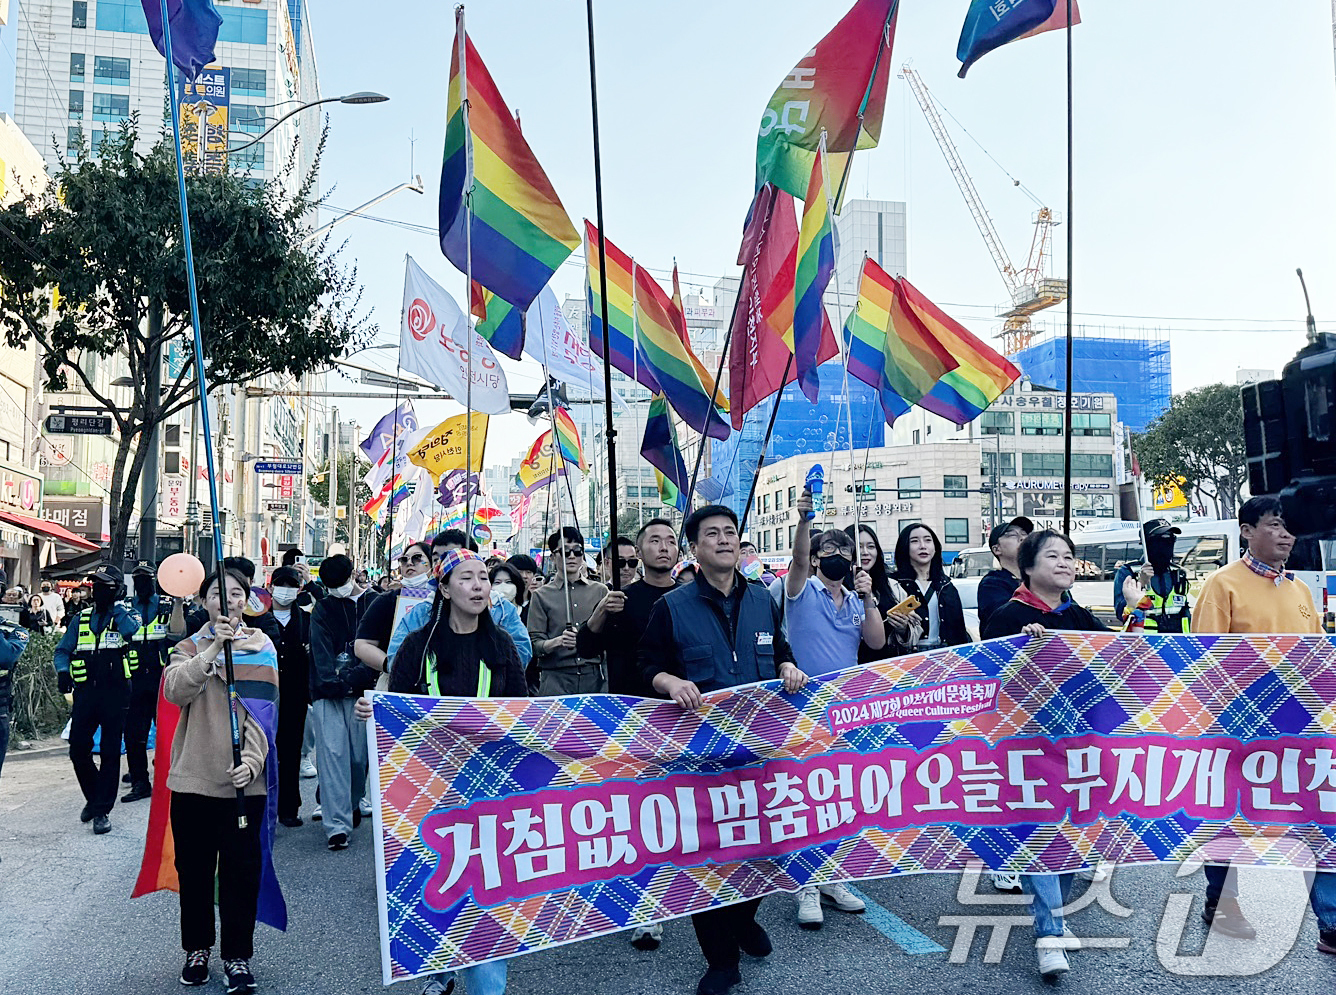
{"x": 659, "y": 447}
{"x": 568, "y": 440}
{"x": 493, "y": 188}
{"x": 888, "y": 348}
{"x": 981, "y": 376}
{"x": 540, "y": 465}
{"x": 816, "y": 263}
{"x": 621, "y": 349}
{"x": 680, "y": 327}
{"x": 499, "y": 321}
{"x": 670, "y": 361}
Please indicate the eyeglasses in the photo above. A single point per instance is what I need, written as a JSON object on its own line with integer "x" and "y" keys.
{"x": 573, "y": 552}
{"x": 412, "y": 561}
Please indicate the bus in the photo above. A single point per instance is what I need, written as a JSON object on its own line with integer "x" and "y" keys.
{"x": 1313, "y": 561}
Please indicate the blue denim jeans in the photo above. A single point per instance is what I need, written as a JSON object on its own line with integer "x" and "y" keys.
{"x": 1048, "y": 894}
{"x": 483, "y": 979}
{"x": 1321, "y": 893}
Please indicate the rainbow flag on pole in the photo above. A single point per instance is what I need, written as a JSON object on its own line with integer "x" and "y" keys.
{"x": 680, "y": 326}
{"x": 493, "y": 186}
{"x": 621, "y": 348}
{"x": 568, "y": 440}
{"x": 888, "y": 348}
{"x": 540, "y": 465}
{"x": 670, "y": 361}
{"x": 659, "y": 448}
{"x": 816, "y": 263}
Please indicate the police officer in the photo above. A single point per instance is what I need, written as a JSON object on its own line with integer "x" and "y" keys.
{"x": 92, "y": 660}
{"x": 13, "y": 641}
{"x": 1159, "y": 578}
{"x": 147, "y": 654}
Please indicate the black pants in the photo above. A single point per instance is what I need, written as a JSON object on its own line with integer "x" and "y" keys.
{"x": 4, "y": 726}
{"x": 288, "y": 743}
{"x": 717, "y": 932}
{"x": 99, "y": 702}
{"x": 1217, "y": 885}
{"x": 139, "y": 719}
{"x": 211, "y": 849}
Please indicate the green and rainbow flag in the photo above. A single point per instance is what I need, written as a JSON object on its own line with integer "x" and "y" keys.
{"x": 568, "y": 440}
{"x": 816, "y": 263}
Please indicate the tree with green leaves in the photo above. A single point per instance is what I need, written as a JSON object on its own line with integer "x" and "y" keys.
{"x": 1198, "y": 440}
{"x": 107, "y": 234}
{"x": 350, "y": 473}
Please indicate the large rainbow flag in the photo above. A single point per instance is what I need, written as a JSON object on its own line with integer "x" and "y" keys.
{"x": 493, "y": 187}
{"x": 568, "y": 440}
{"x": 540, "y": 465}
{"x": 816, "y": 263}
{"x": 679, "y": 316}
{"x": 659, "y": 447}
{"x": 499, "y": 321}
{"x": 621, "y": 347}
{"x": 888, "y": 348}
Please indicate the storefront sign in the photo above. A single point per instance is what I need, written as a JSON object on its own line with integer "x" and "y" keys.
{"x": 1053, "y": 485}
{"x": 86, "y": 517}
{"x": 1033, "y": 399}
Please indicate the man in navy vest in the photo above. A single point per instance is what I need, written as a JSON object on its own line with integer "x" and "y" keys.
{"x": 720, "y": 632}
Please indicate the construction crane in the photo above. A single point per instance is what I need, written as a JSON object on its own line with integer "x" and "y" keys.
{"x": 1031, "y": 289}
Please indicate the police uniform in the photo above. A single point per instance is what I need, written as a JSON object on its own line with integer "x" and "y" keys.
{"x": 146, "y": 656}
{"x": 93, "y": 659}
{"x": 12, "y": 643}
{"x": 1168, "y": 591}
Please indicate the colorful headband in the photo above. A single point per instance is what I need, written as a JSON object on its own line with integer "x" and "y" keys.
{"x": 452, "y": 559}
{"x": 687, "y": 564}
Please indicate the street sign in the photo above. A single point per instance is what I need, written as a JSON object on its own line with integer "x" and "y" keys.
{"x": 79, "y": 424}
{"x": 383, "y": 380}
{"x": 281, "y": 507}
{"x": 278, "y": 466}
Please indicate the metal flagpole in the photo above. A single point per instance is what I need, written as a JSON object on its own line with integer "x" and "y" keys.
{"x": 1067, "y": 421}
{"x": 610, "y": 429}
{"x": 229, "y": 673}
{"x": 468, "y": 274}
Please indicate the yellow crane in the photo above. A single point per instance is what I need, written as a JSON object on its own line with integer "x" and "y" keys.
{"x": 1030, "y": 288}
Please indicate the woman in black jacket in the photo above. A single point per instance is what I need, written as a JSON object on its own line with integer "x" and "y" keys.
{"x": 34, "y": 615}
{"x": 902, "y": 631}
{"x": 918, "y": 568}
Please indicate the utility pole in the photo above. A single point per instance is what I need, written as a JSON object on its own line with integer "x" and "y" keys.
{"x": 354, "y": 531}
{"x": 300, "y": 538}
{"x": 333, "y": 503}
{"x": 148, "y": 480}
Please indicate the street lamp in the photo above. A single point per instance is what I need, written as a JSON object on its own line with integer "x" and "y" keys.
{"x": 360, "y": 97}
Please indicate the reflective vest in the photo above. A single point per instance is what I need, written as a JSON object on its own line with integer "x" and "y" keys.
{"x": 91, "y": 647}
{"x": 1171, "y": 613}
{"x": 434, "y": 678}
{"x": 153, "y": 630}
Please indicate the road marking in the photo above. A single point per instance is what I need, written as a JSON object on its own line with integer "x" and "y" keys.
{"x": 895, "y": 929}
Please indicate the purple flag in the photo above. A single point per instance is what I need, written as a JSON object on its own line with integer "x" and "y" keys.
{"x": 400, "y": 421}
{"x": 194, "y": 24}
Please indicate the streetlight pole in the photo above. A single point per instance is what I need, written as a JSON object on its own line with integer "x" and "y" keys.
{"x": 360, "y": 97}
{"x": 148, "y": 480}
{"x": 333, "y": 503}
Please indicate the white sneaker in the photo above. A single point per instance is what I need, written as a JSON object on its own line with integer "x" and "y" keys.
{"x": 810, "y": 915}
{"x": 308, "y": 767}
{"x": 647, "y": 937}
{"x": 1100, "y": 872}
{"x": 1052, "y": 957}
{"x": 842, "y": 898}
{"x": 315, "y": 815}
{"x": 440, "y": 984}
{"x": 1005, "y": 881}
{"x": 364, "y": 806}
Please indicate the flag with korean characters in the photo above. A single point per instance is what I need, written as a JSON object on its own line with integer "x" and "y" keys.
{"x": 509, "y": 826}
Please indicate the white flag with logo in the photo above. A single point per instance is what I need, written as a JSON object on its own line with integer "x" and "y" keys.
{"x": 550, "y": 339}
{"x": 433, "y": 323}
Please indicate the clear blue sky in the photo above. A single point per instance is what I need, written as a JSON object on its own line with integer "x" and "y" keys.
{"x": 1204, "y": 151}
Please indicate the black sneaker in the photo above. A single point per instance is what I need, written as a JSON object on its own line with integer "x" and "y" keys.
{"x": 196, "y": 970}
{"x": 126, "y": 778}
{"x": 1326, "y": 941}
{"x": 138, "y": 792}
{"x": 292, "y": 821}
{"x": 101, "y": 825}
{"x": 718, "y": 980}
{"x": 240, "y": 981}
{"x": 87, "y": 814}
{"x": 755, "y": 942}
{"x": 339, "y": 841}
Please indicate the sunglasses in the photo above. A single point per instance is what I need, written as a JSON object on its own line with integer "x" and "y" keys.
{"x": 629, "y": 561}
{"x": 573, "y": 552}
{"x": 413, "y": 561}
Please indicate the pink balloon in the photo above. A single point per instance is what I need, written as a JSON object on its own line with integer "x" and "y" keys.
{"x": 181, "y": 575}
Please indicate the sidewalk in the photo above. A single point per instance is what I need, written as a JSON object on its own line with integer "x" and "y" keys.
{"x": 30, "y": 749}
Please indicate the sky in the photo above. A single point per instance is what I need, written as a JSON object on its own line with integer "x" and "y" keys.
{"x": 1203, "y": 155}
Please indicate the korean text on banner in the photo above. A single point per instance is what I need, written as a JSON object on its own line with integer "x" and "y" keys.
{"x": 508, "y": 826}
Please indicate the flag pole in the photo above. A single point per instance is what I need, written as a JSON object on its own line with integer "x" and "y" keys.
{"x": 610, "y": 430}
{"x": 867, "y": 95}
{"x": 468, "y": 275}
{"x": 201, "y": 386}
{"x": 1067, "y": 421}
{"x": 765, "y": 444}
{"x": 714, "y": 397}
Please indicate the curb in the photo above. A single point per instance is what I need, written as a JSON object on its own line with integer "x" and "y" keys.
{"x": 14, "y": 756}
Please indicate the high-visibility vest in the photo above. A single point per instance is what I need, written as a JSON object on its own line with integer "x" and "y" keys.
{"x": 153, "y": 630}
{"x": 89, "y": 646}
{"x": 434, "y": 678}
{"x": 1171, "y": 613}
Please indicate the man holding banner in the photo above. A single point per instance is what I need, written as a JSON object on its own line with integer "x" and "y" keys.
{"x": 722, "y": 631}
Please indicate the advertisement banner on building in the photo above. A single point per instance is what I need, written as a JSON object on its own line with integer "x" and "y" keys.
{"x": 174, "y": 500}
{"x": 84, "y": 516}
{"x": 285, "y": 485}
{"x": 204, "y": 107}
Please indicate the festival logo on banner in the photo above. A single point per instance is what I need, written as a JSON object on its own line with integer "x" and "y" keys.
{"x": 509, "y": 826}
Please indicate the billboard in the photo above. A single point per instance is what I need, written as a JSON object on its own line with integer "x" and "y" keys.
{"x": 204, "y": 108}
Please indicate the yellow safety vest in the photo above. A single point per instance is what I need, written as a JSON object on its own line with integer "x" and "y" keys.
{"x": 434, "y": 678}
{"x": 152, "y": 631}
{"x": 89, "y": 644}
{"x": 1173, "y": 609}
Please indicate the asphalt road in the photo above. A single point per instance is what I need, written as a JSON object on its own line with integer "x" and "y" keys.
{"x": 69, "y": 927}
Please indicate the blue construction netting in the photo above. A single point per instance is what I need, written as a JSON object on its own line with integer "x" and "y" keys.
{"x": 1135, "y": 370}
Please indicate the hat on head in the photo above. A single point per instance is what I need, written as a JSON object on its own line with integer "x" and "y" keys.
{"x": 1020, "y": 522}
{"x": 143, "y": 570}
{"x": 107, "y": 574}
{"x": 452, "y": 559}
{"x": 1158, "y": 528}
{"x": 336, "y": 570}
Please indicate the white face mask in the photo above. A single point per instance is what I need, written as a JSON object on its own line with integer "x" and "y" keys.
{"x": 505, "y": 589}
{"x": 284, "y": 596}
{"x": 344, "y": 591}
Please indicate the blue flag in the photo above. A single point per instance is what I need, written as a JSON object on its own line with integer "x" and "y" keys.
{"x": 194, "y": 24}
{"x": 990, "y": 24}
{"x": 400, "y": 421}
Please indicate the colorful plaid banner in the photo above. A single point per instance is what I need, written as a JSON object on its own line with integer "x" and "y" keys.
{"x": 509, "y": 826}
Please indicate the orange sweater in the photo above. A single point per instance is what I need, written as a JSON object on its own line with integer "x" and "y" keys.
{"x": 1234, "y": 599}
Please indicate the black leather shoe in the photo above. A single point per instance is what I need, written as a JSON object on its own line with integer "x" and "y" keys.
{"x": 292, "y": 821}
{"x": 1227, "y": 918}
{"x": 101, "y": 824}
{"x": 87, "y": 814}
{"x": 755, "y": 942}
{"x": 718, "y": 980}
{"x": 138, "y": 792}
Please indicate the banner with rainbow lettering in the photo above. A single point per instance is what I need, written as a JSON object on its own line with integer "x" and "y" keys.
{"x": 509, "y": 826}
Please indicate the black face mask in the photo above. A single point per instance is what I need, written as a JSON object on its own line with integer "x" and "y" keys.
{"x": 835, "y": 567}
{"x": 144, "y": 588}
{"x": 1160, "y": 552}
{"x": 103, "y": 596}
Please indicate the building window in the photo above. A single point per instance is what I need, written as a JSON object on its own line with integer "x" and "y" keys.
{"x": 910, "y": 488}
{"x": 1092, "y": 424}
{"x": 247, "y": 117}
{"x": 998, "y": 423}
{"x": 77, "y": 67}
{"x": 765, "y": 541}
{"x": 918, "y": 438}
{"x": 1041, "y": 423}
{"x": 765, "y": 498}
{"x": 793, "y": 531}
{"x": 779, "y": 494}
{"x": 171, "y": 435}
{"x": 1006, "y": 464}
{"x": 111, "y": 72}
{"x": 249, "y": 82}
{"x": 72, "y": 134}
{"x": 903, "y": 524}
{"x": 793, "y": 497}
{"x": 1041, "y": 464}
{"x": 111, "y": 107}
{"x": 171, "y": 462}
{"x": 1092, "y": 465}
{"x": 956, "y": 487}
{"x": 76, "y": 105}
{"x": 956, "y": 532}
{"x": 249, "y": 27}
{"x": 79, "y": 17}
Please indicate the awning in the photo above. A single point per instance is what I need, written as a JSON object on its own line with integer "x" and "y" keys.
{"x": 48, "y": 530}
